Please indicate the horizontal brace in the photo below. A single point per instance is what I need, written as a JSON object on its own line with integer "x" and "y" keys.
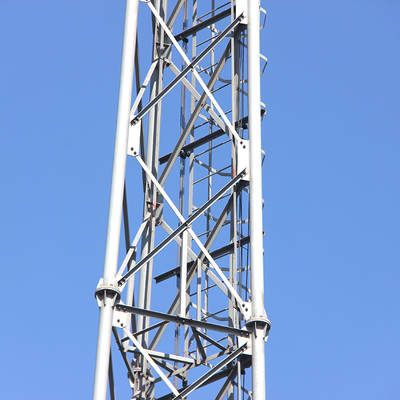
{"x": 223, "y": 251}
{"x": 212, "y": 136}
{"x": 214, "y": 254}
{"x": 183, "y": 321}
{"x": 200, "y": 17}
{"x": 203, "y": 290}
{"x": 210, "y": 21}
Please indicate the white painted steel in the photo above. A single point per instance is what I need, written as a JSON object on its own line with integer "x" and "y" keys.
{"x": 103, "y": 356}
{"x": 256, "y": 228}
{"x": 183, "y": 272}
{"x": 116, "y": 197}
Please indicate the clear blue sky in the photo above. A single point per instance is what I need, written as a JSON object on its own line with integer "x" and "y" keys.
{"x": 331, "y": 187}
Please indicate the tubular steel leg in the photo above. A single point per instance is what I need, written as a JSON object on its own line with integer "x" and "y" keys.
{"x": 256, "y": 229}
{"x": 116, "y": 200}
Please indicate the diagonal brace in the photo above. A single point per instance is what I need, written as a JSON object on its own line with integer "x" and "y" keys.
{"x": 151, "y": 361}
{"x": 184, "y": 223}
{"x": 211, "y": 372}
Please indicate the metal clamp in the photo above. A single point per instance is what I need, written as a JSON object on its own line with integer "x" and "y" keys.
{"x": 104, "y": 292}
{"x": 261, "y": 323}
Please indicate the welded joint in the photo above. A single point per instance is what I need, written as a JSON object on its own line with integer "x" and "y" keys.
{"x": 106, "y": 292}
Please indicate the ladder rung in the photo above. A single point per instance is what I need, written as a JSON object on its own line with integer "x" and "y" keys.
{"x": 221, "y": 87}
{"x": 203, "y": 290}
{"x": 214, "y": 173}
{"x": 215, "y": 9}
{"x": 212, "y": 148}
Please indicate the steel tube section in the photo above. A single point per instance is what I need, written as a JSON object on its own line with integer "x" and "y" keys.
{"x": 256, "y": 228}
{"x": 103, "y": 353}
{"x": 205, "y": 24}
{"x": 183, "y": 272}
{"x": 227, "y": 384}
{"x": 116, "y": 197}
{"x": 175, "y": 13}
{"x": 143, "y": 87}
{"x": 123, "y": 354}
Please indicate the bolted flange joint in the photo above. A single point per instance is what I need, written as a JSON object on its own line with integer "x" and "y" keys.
{"x": 259, "y": 323}
{"x": 105, "y": 293}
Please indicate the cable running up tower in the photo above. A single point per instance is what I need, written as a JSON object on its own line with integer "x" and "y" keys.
{"x": 184, "y": 300}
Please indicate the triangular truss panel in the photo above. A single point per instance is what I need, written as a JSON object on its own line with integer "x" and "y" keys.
{"x": 182, "y": 292}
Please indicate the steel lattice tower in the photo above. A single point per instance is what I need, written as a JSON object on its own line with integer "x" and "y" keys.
{"x": 184, "y": 298}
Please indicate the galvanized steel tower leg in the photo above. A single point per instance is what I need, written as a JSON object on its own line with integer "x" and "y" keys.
{"x": 258, "y": 321}
{"x": 107, "y": 292}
